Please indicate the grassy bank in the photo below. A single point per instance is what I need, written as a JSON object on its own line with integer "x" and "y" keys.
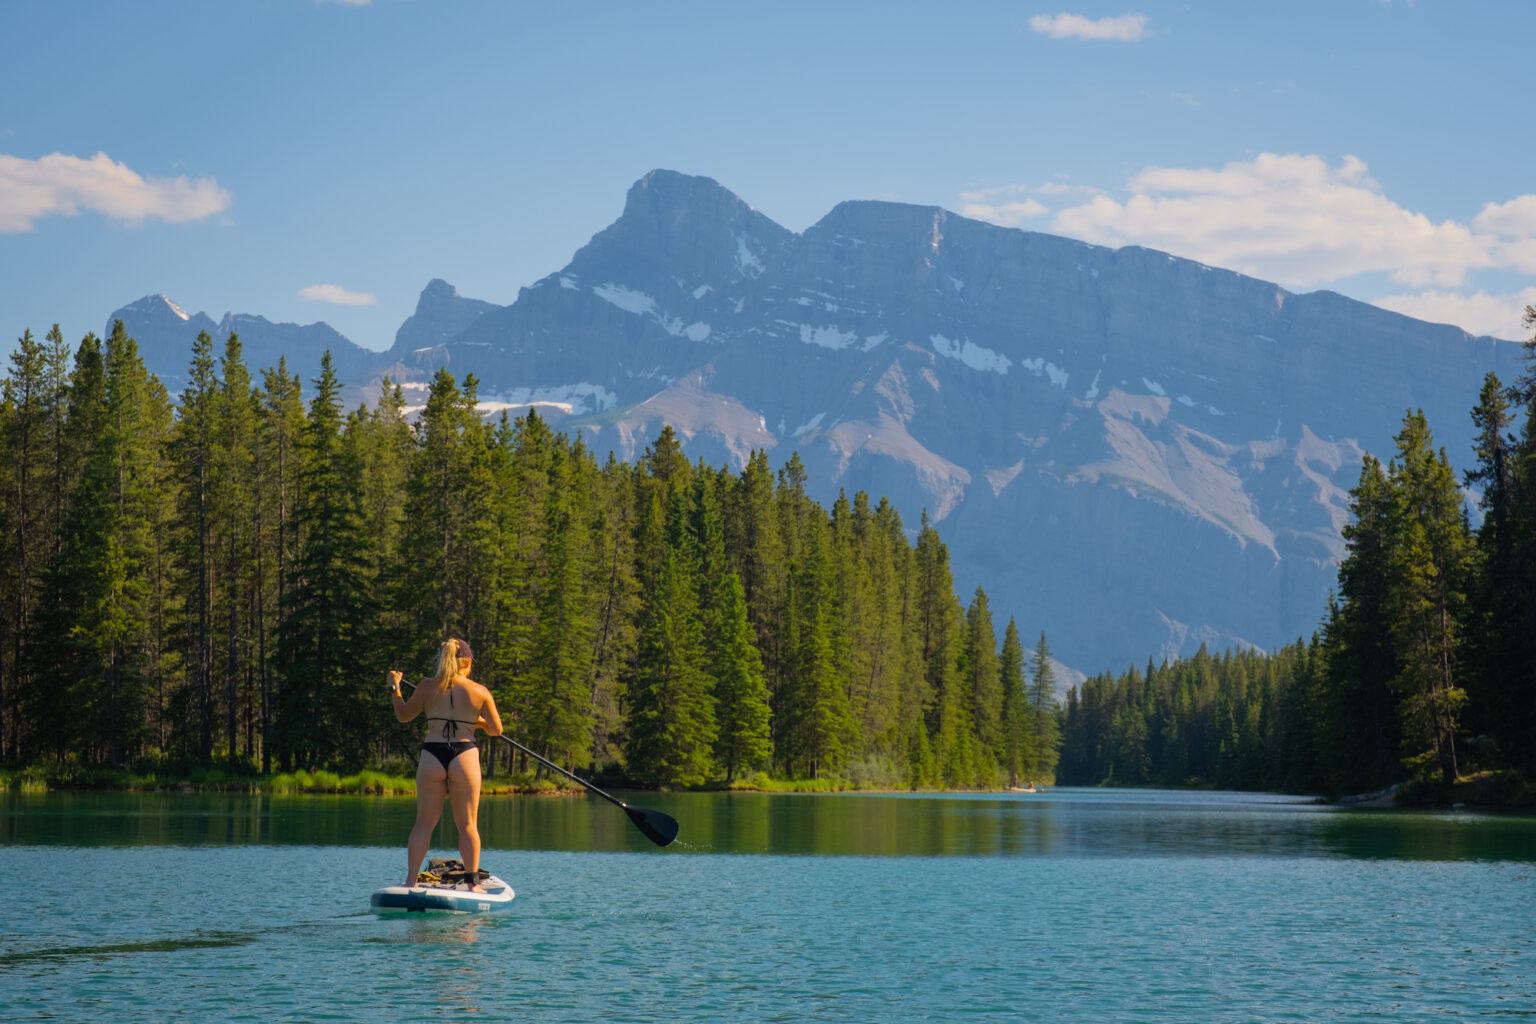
{"x": 41, "y": 779}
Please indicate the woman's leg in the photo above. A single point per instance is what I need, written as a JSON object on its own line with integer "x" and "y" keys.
{"x": 431, "y": 787}
{"x": 464, "y": 794}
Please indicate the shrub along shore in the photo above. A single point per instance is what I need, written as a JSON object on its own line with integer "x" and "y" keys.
{"x": 65, "y": 777}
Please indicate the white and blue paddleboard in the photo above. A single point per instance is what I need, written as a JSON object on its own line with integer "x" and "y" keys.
{"x": 442, "y": 886}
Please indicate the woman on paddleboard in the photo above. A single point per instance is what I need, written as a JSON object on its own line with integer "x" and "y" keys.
{"x": 455, "y": 706}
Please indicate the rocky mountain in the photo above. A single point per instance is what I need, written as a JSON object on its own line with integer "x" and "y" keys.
{"x": 441, "y": 313}
{"x": 165, "y": 333}
{"x": 1133, "y": 452}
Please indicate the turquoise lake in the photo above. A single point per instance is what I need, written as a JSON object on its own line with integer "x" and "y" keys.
{"x": 1069, "y": 905}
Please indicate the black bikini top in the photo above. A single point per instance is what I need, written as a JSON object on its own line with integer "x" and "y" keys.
{"x": 450, "y": 730}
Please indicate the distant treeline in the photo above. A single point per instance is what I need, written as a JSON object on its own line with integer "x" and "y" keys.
{"x": 226, "y": 577}
{"x": 1425, "y": 663}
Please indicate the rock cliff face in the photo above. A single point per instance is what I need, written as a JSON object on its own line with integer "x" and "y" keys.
{"x": 441, "y": 313}
{"x": 1133, "y": 452}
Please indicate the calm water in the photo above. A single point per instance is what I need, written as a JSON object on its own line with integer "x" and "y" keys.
{"x": 1073, "y": 905}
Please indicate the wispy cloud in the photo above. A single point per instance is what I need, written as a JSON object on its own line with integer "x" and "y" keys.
{"x": 336, "y": 295}
{"x": 346, "y": 3}
{"x": 1289, "y": 218}
{"x": 1008, "y": 214}
{"x": 1127, "y": 28}
{"x": 1303, "y": 222}
{"x": 1479, "y": 313}
{"x": 59, "y": 185}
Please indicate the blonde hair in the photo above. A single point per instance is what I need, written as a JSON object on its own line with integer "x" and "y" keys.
{"x": 450, "y": 657}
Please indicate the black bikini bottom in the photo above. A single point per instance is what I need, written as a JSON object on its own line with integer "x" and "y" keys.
{"x": 446, "y": 752}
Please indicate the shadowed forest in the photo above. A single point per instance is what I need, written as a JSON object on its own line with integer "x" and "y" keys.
{"x": 225, "y": 578}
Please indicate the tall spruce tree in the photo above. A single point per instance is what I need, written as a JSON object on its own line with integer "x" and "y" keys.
{"x": 325, "y": 703}
{"x": 193, "y": 455}
{"x": 1018, "y": 716}
{"x": 982, "y": 681}
{"x": 672, "y": 727}
{"x": 275, "y": 473}
{"x": 1430, "y": 571}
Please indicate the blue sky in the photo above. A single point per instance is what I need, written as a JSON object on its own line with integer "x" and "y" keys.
{"x": 312, "y": 160}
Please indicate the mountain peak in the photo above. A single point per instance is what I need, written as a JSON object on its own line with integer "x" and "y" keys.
{"x": 158, "y": 304}
{"x": 441, "y": 312}
{"x": 664, "y": 190}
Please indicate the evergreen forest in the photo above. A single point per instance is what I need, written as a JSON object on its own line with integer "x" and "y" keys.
{"x": 223, "y": 578}
{"x": 1423, "y": 668}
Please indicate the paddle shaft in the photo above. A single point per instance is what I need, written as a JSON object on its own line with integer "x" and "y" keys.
{"x": 546, "y": 762}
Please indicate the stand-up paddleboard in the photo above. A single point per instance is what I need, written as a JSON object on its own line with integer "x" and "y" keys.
{"x": 445, "y": 885}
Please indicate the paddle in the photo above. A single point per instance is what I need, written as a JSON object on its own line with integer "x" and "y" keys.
{"x": 659, "y": 828}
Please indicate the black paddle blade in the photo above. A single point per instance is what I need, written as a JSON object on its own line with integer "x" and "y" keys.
{"x": 659, "y": 828}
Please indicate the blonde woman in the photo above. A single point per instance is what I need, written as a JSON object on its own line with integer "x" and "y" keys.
{"x": 458, "y": 705}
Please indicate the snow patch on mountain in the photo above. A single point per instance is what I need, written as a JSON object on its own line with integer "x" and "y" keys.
{"x": 627, "y": 299}
{"x": 1040, "y": 368}
{"x": 977, "y": 357}
{"x": 746, "y": 260}
{"x": 827, "y": 337}
{"x": 809, "y": 425}
{"x": 571, "y": 399}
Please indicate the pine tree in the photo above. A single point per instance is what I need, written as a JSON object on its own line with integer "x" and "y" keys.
{"x": 672, "y": 726}
{"x": 275, "y": 472}
{"x": 617, "y": 598}
{"x": 97, "y": 590}
{"x": 982, "y": 681}
{"x": 1429, "y": 570}
{"x": 1018, "y": 724}
{"x": 1496, "y": 612}
{"x": 1360, "y": 657}
{"x": 741, "y": 688}
{"x": 324, "y": 707}
{"x": 1042, "y": 702}
{"x": 193, "y": 456}
{"x": 938, "y": 625}
{"x": 235, "y": 441}
{"x": 561, "y": 726}
{"x": 29, "y": 406}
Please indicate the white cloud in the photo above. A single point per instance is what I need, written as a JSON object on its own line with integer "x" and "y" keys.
{"x": 336, "y": 294}
{"x": 1304, "y": 223}
{"x": 346, "y": 3}
{"x": 1478, "y": 313}
{"x": 1288, "y": 218}
{"x": 59, "y": 185}
{"x": 1516, "y": 217}
{"x": 1125, "y": 28}
{"x": 1008, "y": 215}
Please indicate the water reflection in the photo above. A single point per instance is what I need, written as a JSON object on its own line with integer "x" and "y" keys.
{"x": 1078, "y": 823}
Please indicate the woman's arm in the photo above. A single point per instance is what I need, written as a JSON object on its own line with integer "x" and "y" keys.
{"x": 490, "y": 721}
{"x": 405, "y": 708}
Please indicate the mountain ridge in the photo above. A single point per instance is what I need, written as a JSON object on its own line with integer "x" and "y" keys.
{"x": 1083, "y": 422}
